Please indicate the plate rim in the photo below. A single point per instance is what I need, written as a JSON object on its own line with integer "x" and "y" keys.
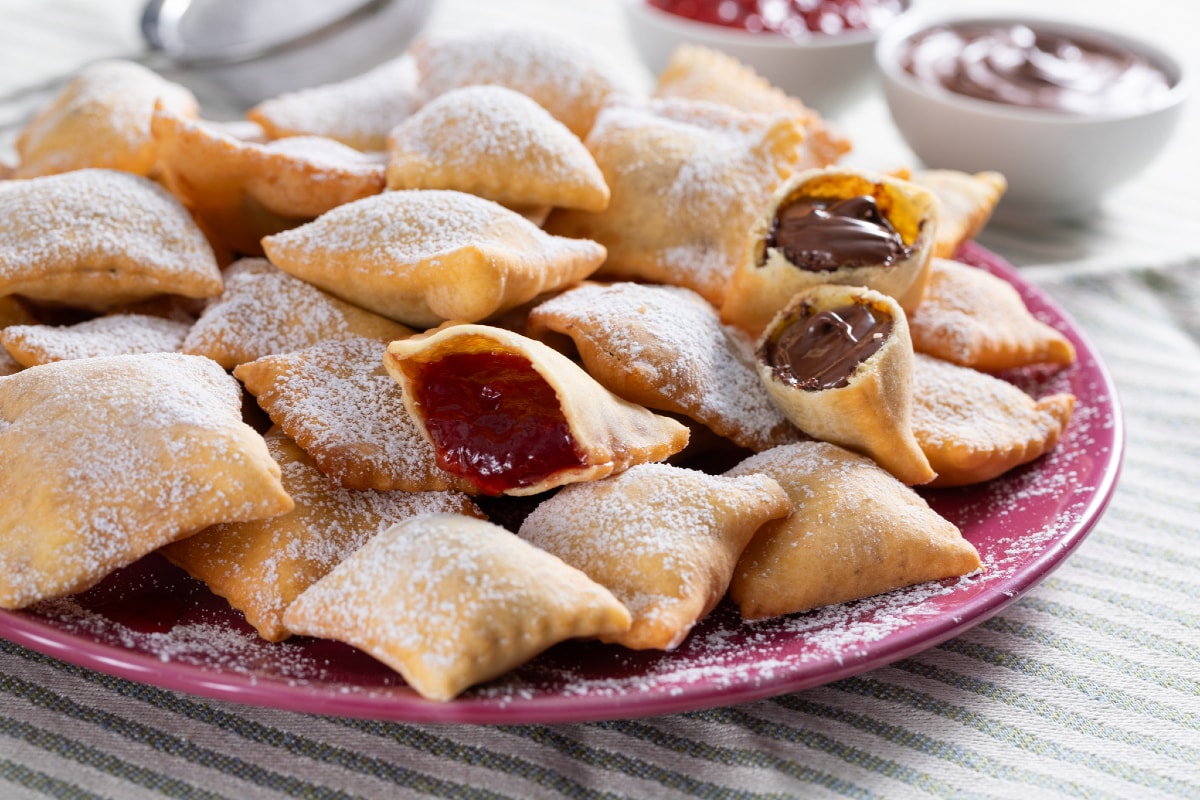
{"x": 400, "y": 703}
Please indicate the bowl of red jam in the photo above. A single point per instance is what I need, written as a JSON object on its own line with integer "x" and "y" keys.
{"x": 1065, "y": 111}
{"x": 817, "y": 50}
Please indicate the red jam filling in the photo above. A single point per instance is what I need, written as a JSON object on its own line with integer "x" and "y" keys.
{"x": 494, "y": 420}
{"x": 799, "y": 19}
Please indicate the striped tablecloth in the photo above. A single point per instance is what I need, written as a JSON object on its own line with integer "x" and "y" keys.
{"x": 1087, "y": 686}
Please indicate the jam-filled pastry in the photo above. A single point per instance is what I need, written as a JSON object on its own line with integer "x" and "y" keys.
{"x": 662, "y": 539}
{"x": 359, "y": 112}
{"x": 496, "y": 143}
{"x": 974, "y": 426}
{"x": 423, "y": 257}
{"x": 565, "y": 77}
{"x": 264, "y": 311}
{"x": 111, "y": 335}
{"x": 664, "y": 347}
{"x": 101, "y": 118}
{"x": 100, "y": 238}
{"x": 833, "y": 225}
{"x": 341, "y": 406}
{"x": 687, "y": 178}
{"x": 107, "y": 459}
{"x": 854, "y": 532}
{"x": 514, "y": 416}
{"x": 701, "y": 73}
{"x": 838, "y": 362}
{"x": 261, "y": 566}
{"x": 244, "y": 190}
{"x": 975, "y": 319}
{"x": 450, "y": 601}
{"x": 966, "y": 204}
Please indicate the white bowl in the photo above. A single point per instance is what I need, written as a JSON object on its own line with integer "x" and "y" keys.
{"x": 1057, "y": 165}
{"x": 828, "y": 72}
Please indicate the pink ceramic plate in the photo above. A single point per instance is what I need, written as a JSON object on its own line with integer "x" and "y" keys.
{"x": 153, "y": 624}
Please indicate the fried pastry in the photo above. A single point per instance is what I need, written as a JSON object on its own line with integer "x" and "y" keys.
{"x": 975, "y": 319}
{"x": 662, "y": 539}
{"x": 665, "y": 348}
{"x": 107, "y": 459}
{"x": 496, "y": 143}
{"x": 838, "y": 362}
{"x": 243, "y": 190}
{"x": 264, "y": 311}
{"x": 422, "y": 257}
{"x": 973, "y": 426}
{"x": 566, "y": 78}
{"x": 13, "y": 311}
{"x": 358, "y": 112}
{"x": 514, "y": 416}
{"x": 687, "y": 180}
{"x": 855, "y": 531}
{"x": 966, "y": 203}
{"x": 339, "y": 404}
{"x": 701, "y": 73}
{"x": 112, "y": 335}
{"x": 449, "y": 601}
{"x": 261, "y": 566}
{"x": 101, "y": 118}
{"x": 833, "y": 225}
{"x": 100, "y": 238}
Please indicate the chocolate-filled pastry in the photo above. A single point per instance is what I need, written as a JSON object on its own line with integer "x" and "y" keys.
{"x": 662, "y": 539}
{"x": 101, "y": 118}
{"x": 514, "y": 416}
{"x": 838, "y": 362}
{"x": 243, "y": 190}
{"x": 665, "y": 348}
{"x": 973, "y": 426}
{"x": 359, "y": 112}
{"x": 98, "y": 239}
{"x": 108, "y": 459}
{"x": 565, "y": 77}
{"x": 426, "y": 256}
{"x": 449, "y": 601}
{"x": 975, "y": 319}
{"x": 261, "y": 566}
{"x": 854, "y": 531}
{"x": 688, "y": 178}
{"x": 834, "y": 225}
{"x": 496, "y": 143}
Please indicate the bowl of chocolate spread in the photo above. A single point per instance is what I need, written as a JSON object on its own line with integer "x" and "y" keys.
{"x": 1065, "y": 111}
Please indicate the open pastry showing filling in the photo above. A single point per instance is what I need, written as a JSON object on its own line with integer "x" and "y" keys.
{"x": 838, "y": 363}
{"x": 513, "y": 416}
{"x": 834, "y": 225}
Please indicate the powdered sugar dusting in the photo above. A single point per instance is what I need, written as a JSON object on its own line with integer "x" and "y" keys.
{"x": 116, "y": 334}
{"x": 675, "y": 349}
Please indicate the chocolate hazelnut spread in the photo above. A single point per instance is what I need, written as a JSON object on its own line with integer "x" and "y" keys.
{"x": 824, "y": 234}
{"x": 821, "y": 350}
{"x": 1035, "y": 68}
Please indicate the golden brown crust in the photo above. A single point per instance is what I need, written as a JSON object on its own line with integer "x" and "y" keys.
{"x": 855, "y": 531}
{"x": 450, "y": 601}
{"x": 663, "y": 540}
{"x": 974, "y": 427}
{"x": 975, "y": 319}
{"x": 111, "y": 458}
{"x": 261, "y": 566}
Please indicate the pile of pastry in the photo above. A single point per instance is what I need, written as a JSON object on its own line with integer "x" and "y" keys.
{"x": 296, "y": 353}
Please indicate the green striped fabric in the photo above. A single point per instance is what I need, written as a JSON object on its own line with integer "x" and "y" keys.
{"x": 1088, "y": 686}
